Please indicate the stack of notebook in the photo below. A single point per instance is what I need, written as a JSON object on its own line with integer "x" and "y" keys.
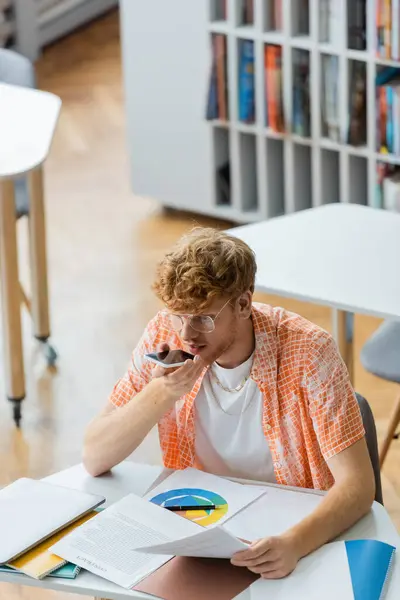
{"x": 34, "y": 515}
{"x": 67, "y": 571}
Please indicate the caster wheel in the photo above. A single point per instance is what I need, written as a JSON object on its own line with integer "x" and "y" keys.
{"x": 50, "y": 355}
{"x": 16, "y": 408}
{"x": 17, "y": 414}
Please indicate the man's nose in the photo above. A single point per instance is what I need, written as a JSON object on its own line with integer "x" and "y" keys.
{"x": 187, "y": 332}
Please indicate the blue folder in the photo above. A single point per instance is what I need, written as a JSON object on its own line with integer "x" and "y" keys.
{"x": 369, "y": 563}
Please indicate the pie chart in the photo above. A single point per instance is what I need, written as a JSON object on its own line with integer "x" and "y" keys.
{"x": 193, "y": 496}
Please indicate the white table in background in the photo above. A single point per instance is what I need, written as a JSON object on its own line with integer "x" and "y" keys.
{"x": 27, "y": 122}
{"x": 132, "y": 477}
{"x": 345, "y": 256}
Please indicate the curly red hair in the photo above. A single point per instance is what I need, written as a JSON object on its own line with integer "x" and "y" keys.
{"x": 203, "y": 265}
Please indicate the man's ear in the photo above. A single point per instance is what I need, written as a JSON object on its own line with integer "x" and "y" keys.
{"x": 244, "y": 303}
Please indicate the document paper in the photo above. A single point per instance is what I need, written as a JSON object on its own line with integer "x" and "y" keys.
{"x": 215, "y": 542}
{"x": 106, "y": 544}
{"x": 322, "y": 574}
{"x": 192, "y": 486}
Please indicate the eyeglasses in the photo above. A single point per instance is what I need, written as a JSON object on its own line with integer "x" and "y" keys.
{"x": 200, "y": 323}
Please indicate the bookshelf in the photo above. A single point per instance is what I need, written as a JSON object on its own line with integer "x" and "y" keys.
{"x": 245, "y": 165}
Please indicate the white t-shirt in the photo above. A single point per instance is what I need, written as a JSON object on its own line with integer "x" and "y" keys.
{"x": 232, "y": 444}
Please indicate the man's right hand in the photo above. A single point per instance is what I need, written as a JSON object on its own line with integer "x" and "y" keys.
{"x": 180, "y": 380}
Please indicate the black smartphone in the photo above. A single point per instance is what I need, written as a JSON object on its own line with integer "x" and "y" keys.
{"x": 169, "y": 358}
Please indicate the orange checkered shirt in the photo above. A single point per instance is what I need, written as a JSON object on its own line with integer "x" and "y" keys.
{"x": 310, "y": 410}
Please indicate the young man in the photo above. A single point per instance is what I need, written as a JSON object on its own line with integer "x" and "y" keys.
{"x": 267, "y": 397}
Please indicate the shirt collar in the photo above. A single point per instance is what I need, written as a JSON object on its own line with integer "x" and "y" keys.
{"x": 265, "y": 352}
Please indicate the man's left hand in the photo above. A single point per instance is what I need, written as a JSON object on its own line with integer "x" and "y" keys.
{"x": 271, "y": 557}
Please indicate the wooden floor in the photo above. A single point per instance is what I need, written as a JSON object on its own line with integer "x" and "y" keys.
{"x": 103, "y": 245}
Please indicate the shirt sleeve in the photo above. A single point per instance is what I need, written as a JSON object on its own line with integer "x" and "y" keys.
{"x": 333, "y": 404}
{"x": 138, "y": 374}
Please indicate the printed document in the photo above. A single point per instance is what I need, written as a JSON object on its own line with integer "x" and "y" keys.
{"x": 192, "y": 486}
{"x": 106, "y": 544}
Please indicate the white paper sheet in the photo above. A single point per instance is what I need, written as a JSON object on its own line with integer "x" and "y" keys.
{"x": 192, "y": 486}
{"x": 279, "y": 509}
{"x": 125, "y": 478}
{"x": 105, "y": 544}
{"x": 322, "y": 574}
{"x": 215, "y": 542}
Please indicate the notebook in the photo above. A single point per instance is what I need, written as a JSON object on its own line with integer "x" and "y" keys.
{"x": 370, "y": 563}
{"x": 31, "y": 511}
{"x": 39, "y": 562}
{"x": 67, "y": 571}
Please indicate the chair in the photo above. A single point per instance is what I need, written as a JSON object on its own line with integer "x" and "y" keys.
{"x": 372, "y": 443}
{"x": 381, "y": 357}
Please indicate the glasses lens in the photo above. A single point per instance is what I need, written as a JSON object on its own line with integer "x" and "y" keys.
{"x": 176, "y": 322}
{"x": 201, "y": 324}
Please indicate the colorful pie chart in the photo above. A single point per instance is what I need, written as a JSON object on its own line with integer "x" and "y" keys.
{"x": 194, "y": 496}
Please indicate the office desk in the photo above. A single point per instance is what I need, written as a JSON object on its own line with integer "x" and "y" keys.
{"x": 344, "y": 256}
{"x": 130, "y": 477}
{"x": 27, "y": 122}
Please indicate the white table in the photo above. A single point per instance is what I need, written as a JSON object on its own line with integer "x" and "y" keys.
{"x": 27, "y": 122}
{"x": 345, "y": 256}
{"x": 130, "y": 477}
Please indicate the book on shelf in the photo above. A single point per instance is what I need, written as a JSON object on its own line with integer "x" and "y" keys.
{"x": 276, "y": 14}
{"x": 273, "y": 87}
{"x": 391, "y": 191}
{"x": 247, "y": 12}
{"x": 385, "y": 171}
{"x": 388, "y": 111}
{"x": 217, "y": 100}
{"x": 301, "y": 93}
{"x": 387, "y": 29}
{"x": 223, "y": 182}
{"x": 246, "y": 82}
{"x": 330, "y": 101}
{"x": 357, "y": 25}
{"x": 219, "y": 10}
{"x": 330, "y": 23}
{"x": 7, "y": 24}
{"x": 303, "y": 17}
{"x": 357, "y": 131}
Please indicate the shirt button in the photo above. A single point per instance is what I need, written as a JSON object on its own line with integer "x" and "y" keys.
{"x": 277, "y": 465}
{"x": 268, "y": 427}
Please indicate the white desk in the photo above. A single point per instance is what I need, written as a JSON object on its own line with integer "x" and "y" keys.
{"x": 344, "y": 256}
{"x": 130, "y": 477}
{"x": 27, "y": 122}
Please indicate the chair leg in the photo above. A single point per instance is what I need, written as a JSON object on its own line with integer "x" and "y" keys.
{"x": 25, "y": 300}
{"x": 391, "y": 430}
{"x": 37, "y": 235}
{"x": 11, "y": 299}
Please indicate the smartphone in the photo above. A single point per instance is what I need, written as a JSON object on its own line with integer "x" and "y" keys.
{"x": 169, "y": 358}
